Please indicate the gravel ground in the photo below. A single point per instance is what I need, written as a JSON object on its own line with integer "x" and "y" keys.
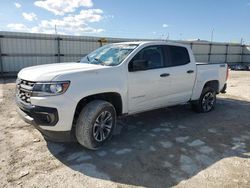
{"x": 162, "y": 148}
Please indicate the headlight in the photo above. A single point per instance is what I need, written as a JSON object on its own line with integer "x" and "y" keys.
{"x": 49, "y": 89}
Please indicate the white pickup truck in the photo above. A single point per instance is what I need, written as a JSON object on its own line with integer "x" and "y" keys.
{"x": 82, "y": 100}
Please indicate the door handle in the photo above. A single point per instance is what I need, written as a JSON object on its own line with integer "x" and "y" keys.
{"x": 190, "y": 71}
{"x": 164, "y": 75}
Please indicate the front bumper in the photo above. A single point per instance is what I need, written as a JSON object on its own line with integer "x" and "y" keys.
{"x": 43, "y": 116}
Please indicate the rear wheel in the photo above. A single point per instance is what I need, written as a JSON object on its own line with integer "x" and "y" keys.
{"x": 206, "y": 102}
{"x": 95, "y": 124}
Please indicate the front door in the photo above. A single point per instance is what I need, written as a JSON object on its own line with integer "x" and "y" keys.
{"x": 149, "y": 83}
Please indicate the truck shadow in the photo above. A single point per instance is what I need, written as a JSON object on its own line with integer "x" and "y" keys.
{"x": 163, "y": 147}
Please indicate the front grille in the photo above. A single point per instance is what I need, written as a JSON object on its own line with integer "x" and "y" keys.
{"x": 24, "y": 89}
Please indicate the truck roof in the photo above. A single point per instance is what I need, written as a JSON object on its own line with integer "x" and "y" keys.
{"x": 156, "y": 42}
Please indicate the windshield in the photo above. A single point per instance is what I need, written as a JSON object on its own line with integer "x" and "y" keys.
{"x": 110, "y": 55}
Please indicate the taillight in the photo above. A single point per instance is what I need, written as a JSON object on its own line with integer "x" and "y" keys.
{"x": 227, "y": 73}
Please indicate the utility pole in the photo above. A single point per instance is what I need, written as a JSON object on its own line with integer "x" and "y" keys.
{"x": 180, "y": 36}
{"x": 55, "y": 30}
{"x": 168, "y": 36}
{"x": 212, "y": 35}
{"x": 241, "y": 41}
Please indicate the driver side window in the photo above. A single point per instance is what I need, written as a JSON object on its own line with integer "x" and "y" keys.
{"x": 151, "y": 57}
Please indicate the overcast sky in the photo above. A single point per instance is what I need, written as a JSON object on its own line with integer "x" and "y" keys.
{"x": 229, "y": 20}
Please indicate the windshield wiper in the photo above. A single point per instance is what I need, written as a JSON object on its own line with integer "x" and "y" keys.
{"x": 88, "y": 58}
{"x": 100, "y": 61}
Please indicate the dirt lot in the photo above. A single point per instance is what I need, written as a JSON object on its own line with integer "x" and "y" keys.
{"x": 168, "y": 147}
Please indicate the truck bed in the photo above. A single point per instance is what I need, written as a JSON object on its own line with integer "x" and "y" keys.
{"x": 208, "y": 72}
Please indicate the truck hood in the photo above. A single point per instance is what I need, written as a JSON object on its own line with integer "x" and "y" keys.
{"x": 49, "y": 71}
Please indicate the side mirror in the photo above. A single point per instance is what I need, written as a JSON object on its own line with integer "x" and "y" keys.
{"x": 138, "y": 65}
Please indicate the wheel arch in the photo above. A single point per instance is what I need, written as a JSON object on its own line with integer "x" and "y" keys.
{"x": 213, "y": 84}
{"x": 114, "y": 98}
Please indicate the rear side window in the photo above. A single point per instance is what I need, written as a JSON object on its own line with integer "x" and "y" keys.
{"x": 179, "y": 55}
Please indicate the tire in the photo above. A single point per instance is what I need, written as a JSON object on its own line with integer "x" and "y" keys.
{"x": 206, "y": 102}
{"x": 95, "y": 124}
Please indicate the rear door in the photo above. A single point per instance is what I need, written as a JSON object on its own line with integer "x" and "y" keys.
{"x": 183, "y": 73}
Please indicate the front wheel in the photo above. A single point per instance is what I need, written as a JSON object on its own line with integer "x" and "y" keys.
{"x": 95, "y": 124}
{"x": 206, "y": 102}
